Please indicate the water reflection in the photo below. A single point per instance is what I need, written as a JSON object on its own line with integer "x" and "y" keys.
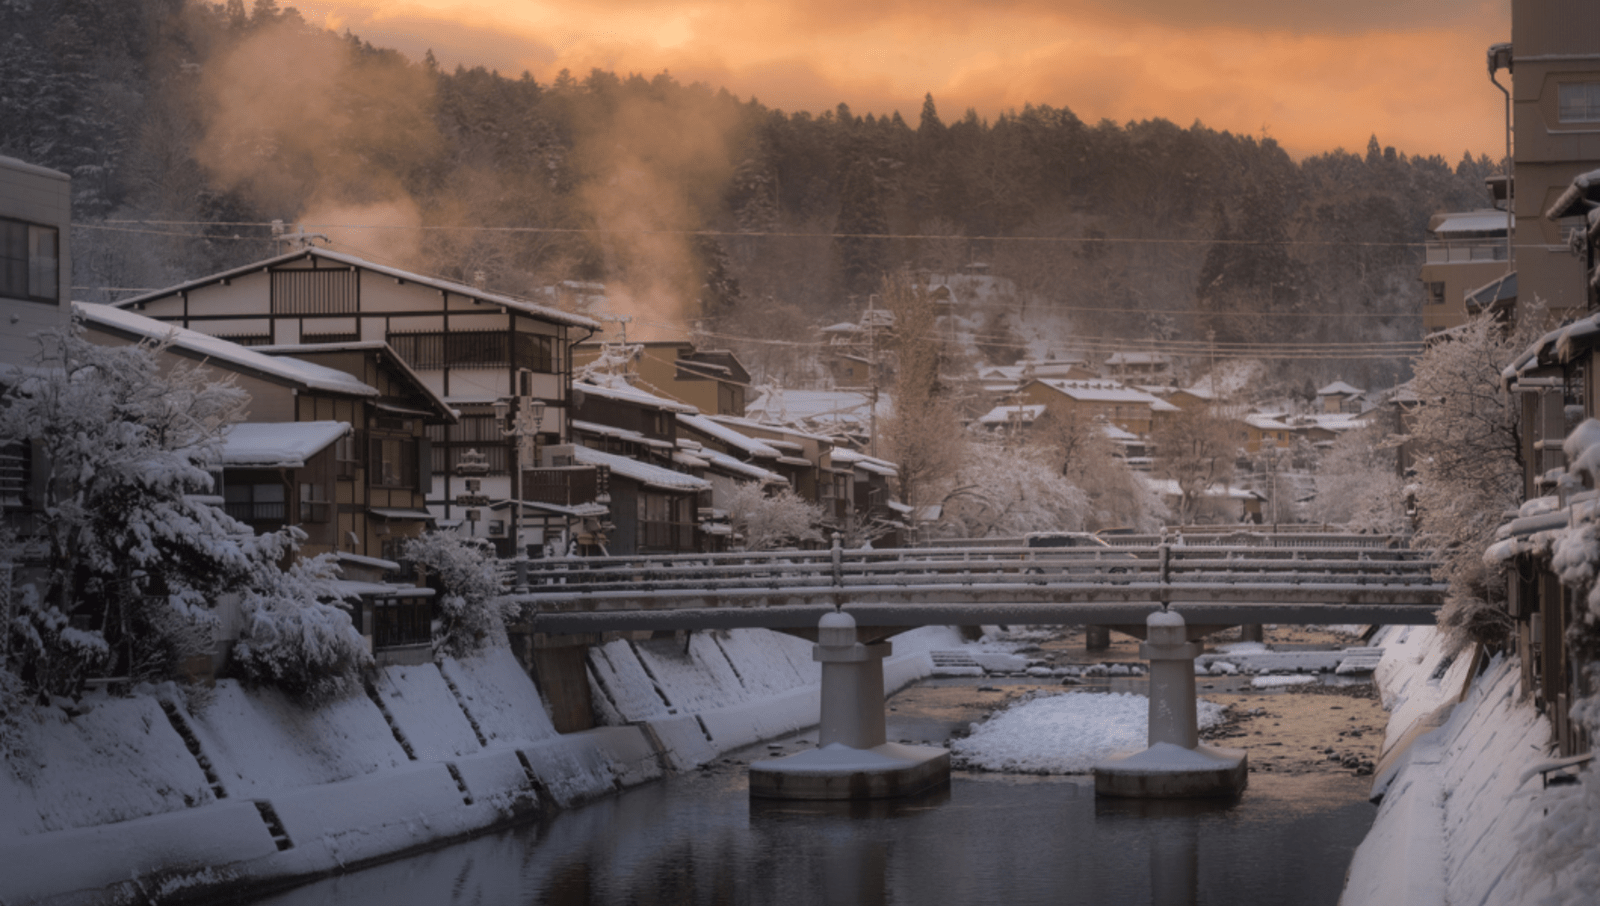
{"x": 984, "y": 839}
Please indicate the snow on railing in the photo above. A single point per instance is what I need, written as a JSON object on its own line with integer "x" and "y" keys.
{"x": 1152, "y": 572}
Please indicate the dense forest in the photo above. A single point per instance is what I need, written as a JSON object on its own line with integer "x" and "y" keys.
{"x": 189, "y": 127}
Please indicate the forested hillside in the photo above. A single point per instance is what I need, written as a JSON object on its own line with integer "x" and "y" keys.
{"x": 188, "y": 127}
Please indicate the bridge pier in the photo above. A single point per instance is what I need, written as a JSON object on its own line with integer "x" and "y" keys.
{"x": 853, "y": 759}
{"x": 1176, "y": 765}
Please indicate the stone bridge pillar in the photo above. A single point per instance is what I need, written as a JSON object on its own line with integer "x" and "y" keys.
{"x": 1176, "y": 765}
{"x": 853, "y": 759}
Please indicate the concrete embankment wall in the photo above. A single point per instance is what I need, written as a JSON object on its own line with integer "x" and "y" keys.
{"x": 159, "y": 796}
{"x": 1464, "y": 813}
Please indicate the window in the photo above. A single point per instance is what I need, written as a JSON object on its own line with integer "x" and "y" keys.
{"x": 317, "y": 291}
{"x": 262, "y": 502}
{"x": 29, "y": 261}
{"x": 394, "y": 463}
{"x": 15, "y": 474}
{"x": 314, "y": 505}
{"x": 476, "y": 349}
{"x": 1578, "y": 102}
{"x": 1435, "y": 293}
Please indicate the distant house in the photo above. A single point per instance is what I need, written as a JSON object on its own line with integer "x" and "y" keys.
{"x": 1131, "y": 410}
{"x": 1219, "y": 505}
{"x": 1264, "y": 432}
{"x": 654, "y": 499}
{"x": 1341, "y": 397}
{"x": 470, "y": 347}
{"x": 710, "y": 380}
{"x": 1139, "y": 367}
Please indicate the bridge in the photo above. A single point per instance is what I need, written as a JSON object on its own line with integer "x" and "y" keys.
{"x": 1317, "y": 579}
{"x": 848, "y": 601}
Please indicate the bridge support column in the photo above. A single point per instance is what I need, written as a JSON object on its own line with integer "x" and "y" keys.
{"x": 1176, "y": 765}
{"x": 853, "y": 759}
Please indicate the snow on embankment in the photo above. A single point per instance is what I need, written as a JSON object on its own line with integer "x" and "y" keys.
{"x": 1462, "y": 804}
{"x": 722, "y": 691}
{"x": 140, "y": 797}
{"x": 151, "y": 796}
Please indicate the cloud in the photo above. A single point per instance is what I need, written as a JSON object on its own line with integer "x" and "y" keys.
{"x": 1314, "y": 76}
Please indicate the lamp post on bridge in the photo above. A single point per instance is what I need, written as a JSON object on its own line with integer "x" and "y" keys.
{"x": 521, "y": 417}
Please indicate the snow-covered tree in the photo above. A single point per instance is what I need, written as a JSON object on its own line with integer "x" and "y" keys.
{"x": 1087, "y": 458}
{"x": 1357, "y": 485}
{"x": 129, "y": 561}
{"x": 1197, "y": 448}
{"x": 473, "y": 607}
{"x": 766, "y": 521}
{"x": 923, "y": 434}
{"x": 1005, "y": 493}
{"x": 1469, "y": 466}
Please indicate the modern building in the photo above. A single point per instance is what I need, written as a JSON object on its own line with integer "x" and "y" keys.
{"x": 35, "y": 255}
{"x": 1555, "y": 75}
{"x": 1464, "y": 251}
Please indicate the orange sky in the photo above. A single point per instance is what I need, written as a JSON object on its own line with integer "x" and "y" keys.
{"x": 1312, "y": 74}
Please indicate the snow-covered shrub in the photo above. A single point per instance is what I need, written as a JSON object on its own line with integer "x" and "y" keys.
{"x": 297, "y": 633}
{"x": 127, "y": 560}
{"x": 766, "y": 521}
{"x": 472, "y": 605}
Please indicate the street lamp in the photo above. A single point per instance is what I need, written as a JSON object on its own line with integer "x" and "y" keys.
{"x": 522, "y": 422}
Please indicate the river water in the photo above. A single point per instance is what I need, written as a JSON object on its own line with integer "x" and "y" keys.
{"x": 698, "y": 838}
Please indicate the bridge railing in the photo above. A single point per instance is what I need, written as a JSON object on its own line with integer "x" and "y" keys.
{"x": 1165, "y": 566}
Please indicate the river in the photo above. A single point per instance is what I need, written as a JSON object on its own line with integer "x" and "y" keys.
{"x": 987, "y": 838}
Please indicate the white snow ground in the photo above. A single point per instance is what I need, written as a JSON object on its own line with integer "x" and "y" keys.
{"x": 1064, "y": 733}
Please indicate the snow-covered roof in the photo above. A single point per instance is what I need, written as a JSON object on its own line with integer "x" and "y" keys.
{"x": 1263, "y": 422}
{"x": 1169, "y": 487}
{"x": 1004, "y": 415}
{"x": 642, "y": 472}
{"x": 585, "y": 427}
{"x": 632, "y": 395}
{"x": 722, "y": 462}
{"x": 817, "y": 407}
{"x": 1329, "y": 421}
{"x": 224, "y": 352}
{"x": 1468, "y": 224}
{"x": 278, "y": 445}
{"x": 1105, "y": 392}
{"x": 865, "y": 463}
{"x": 737, "y": 422}
{"x": 393, "y": 359}
{"x": 1137, "y": 358}
{"x": 534, "y": 309}
{"x": 750, "y": 445}
{"x": 1340, "y": 388}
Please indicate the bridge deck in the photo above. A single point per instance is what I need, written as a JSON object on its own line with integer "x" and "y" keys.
{"x": 1118, "y": 586}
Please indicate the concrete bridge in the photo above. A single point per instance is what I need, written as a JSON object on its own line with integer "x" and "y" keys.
{"x": 848, "y": 602}
{"x": 1211, "y": 585}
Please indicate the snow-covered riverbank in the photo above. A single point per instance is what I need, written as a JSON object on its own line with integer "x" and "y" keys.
{"x": 1465, "y": 816}
{"x": 155, "y": 796}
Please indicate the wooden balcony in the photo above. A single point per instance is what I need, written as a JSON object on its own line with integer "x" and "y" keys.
{"x": 562, "y": 485}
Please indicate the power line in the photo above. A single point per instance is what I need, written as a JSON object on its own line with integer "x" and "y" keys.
{"x": 763, "y": 234}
